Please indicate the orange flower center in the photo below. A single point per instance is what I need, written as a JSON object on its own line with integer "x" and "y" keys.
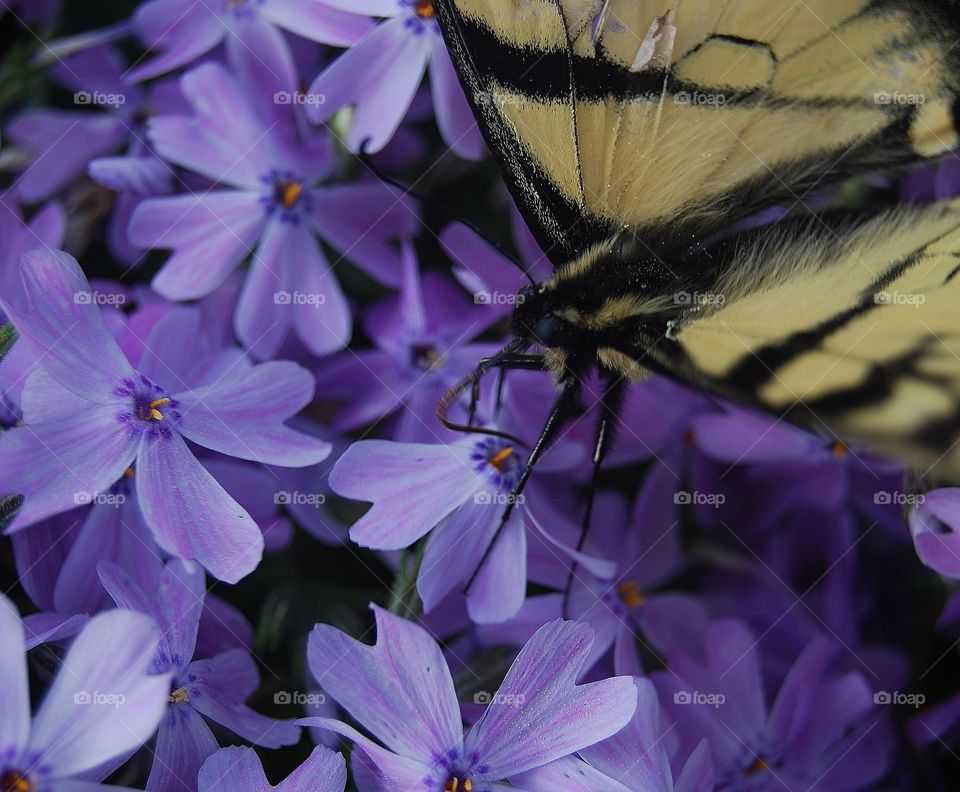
{"x": 424, "y": 9}
{"x": 288, "y": 193}
{"x": 840, "y": 449}
{"x": 758, "y": 766}
{"x": 456, "y": 785}
{"x": 13, "y": 781}
{"x": 631, "y": 594}
{"x": 152, "y": 411}
{"x": 500, "y": 459}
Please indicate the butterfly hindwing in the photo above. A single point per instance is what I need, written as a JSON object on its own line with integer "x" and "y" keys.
{"x": 677, "y": 117}
{"x": 854, "y": 334}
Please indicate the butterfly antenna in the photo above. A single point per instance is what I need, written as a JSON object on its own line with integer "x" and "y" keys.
{"x": 366, "y": 161}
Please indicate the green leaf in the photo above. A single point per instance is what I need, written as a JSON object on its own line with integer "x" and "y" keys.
{"x": 7, "y": 336}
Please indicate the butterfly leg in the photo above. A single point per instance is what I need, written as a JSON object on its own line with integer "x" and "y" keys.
{"x": 563, "y": 410}
{"x": 524, "y": 362}
{"x": 610, "y": 403}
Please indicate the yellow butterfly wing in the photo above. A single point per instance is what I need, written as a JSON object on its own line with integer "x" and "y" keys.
{"x": 855, "y": 334}
{"x": 677, "y": 117}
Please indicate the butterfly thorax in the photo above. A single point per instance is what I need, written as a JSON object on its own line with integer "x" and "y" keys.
{"x": 601, "y": 309}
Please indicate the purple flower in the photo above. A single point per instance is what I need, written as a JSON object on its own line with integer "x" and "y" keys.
{"x": 214, "y": 688}
{"x": 64, "y": 142}
{"x": 239, "y": 770}
{"x": 422, "y": 349}
{"x": 635, "y": 758}
{"x": 101, "y": 706}
{"x": 271, "y": 205}
{"x": 402, "y": 692}
{"x": 183, "y": 30}
{"x": 644, "y": 549}
{"x": 91, "y": 417}
{"x": 379, "y": 77}
{"x": 822, "y": 730}
{"x": 934, "y": 524}
{"x": 461, "y": 488}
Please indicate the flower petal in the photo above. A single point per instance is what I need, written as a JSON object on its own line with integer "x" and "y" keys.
{"x": 182, "y": 29}
{"x": 102, "y": 703}
{"x": 14, "y": 688}
{"x": 242, "y": 415}
{"x": 183, "y": 744}
{"x": 501, "y": 583}
{"x": 323, "y": 771}
{"x": 222, "y": 685}
{"x": 559, "y": 717}
{"x": 400, "y": 689}
{"x": 412, "y": 487}
{"x": 390, "y": 770}
{"x": 235, "y": 768}
{"x": 58, "y": 465}
{"x": 55, "y": 315}
{"x": 210, "y": 234}
{"x": 191, "y": 515}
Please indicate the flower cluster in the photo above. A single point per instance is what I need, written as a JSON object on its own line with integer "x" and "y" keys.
{"x": 224, "y": 334}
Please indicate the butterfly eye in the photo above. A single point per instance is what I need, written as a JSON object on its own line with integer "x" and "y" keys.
{"x": 551, "y": 331}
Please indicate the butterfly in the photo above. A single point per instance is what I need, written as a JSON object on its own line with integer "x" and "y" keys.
{"x": 635, "y": 134}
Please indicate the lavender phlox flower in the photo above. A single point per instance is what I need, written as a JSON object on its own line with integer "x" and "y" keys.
{"x": 182, "y": 31}
{"x": 378, "y": 77}
{"x": 935, "y": 527}
{"x": 270, "y": 203}
{"x": 200, "y": 688}
{"x": 423, "y": 344}
{"x": 101, "y": 706}
{"x": 402, "y": 692}
{"x": 239, "y": 770}
{"x": 125, "y": 420}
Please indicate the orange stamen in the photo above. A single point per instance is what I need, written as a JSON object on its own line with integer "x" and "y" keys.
{"x": 425, "y": 9}
{"x": 631, "y": 594}
{"x": 502, "y": 457}
{"x": 290, "y": 192}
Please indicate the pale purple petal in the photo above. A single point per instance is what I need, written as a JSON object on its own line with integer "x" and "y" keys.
{"x": 637, "y": 755}
{"x": 381, "y": 75}
{"x": 222, "y": 684}
{"x": 182, "y": 30}
{"x": 56, "y": 317}
{"x": 191, "y": 515}
{"x": 77, "y": 731}
{"x": 323, "y": 771}
{"x": 232, "y": 769}
{"x": 568, "y": 716}
{"x": 360, "y": 220}
{"x": 317, "y": 23}
{"x": 14, "y": 689}
{"x": 400, "y": 689}
{"x": 454, "y": 116}
{"x": 210, "y": 234}
{"x": 391, "y": 770}
{"x": 63, "y": 143}
{"x": 139, "y": 175}
{"x": 390, "y": 476}
{"x": 70, "y": 462}
{"x": 242, "y": 415}
{"x": 41, "y": 628}
{"x": 453, "y": 551}
{"x": 499, "y": 589}
{"x": 184, "y": 741}
{"x": 571, "y": 775}
{"x": 316, "y": 306}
